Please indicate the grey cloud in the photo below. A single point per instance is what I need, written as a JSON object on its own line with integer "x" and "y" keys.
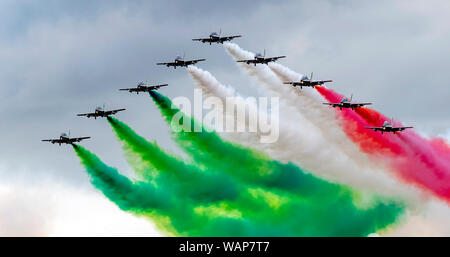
{"x": 59, "y": 58}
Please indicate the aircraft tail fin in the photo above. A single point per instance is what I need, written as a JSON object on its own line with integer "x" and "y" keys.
{"x": 310, "y": 78}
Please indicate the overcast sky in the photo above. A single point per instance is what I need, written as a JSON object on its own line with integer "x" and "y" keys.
{"x": 59, "y": 58}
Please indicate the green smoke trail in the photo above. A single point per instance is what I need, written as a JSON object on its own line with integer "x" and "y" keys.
{"x": 246, "y": 164}
{"x": 203, "y": 185}
{"x": 136, "y": 197}
{"x": 317, "y": 196}
{"x": 119, "y": 188}
{"x": 292, "y": 216}
{"x": 172, "y": 171}
{"x": 145, "y": 199}
{"x": 190, "y": 180}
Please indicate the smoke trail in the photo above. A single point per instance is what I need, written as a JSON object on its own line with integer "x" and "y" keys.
{"x": 372, "y": 117}
{"x": 173, "y": 172}
{"x": 146, "y": 200}
{"x": 213, "y": 89}
{"x": 309, "y": 103}
{"x": 137, "y": 197}
{"x": 409, "y": 158}
{"x": 207, "y": 185}
{"x": 294, "y": 218}
{"x": 248, "y": 165}
{"x": 432, "y": 152}
{"x": 255, "y": 168}
{"x": 310, "y": 147}
{"x": 189, "y": 180}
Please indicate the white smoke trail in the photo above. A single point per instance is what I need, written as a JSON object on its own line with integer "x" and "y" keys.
{"x": 429, "y": 218}
{"x": 310, "y": 104}
{"x": 301, "y": 144}
{"x": 307, "y": 103}
{"x": 211, "y": 88}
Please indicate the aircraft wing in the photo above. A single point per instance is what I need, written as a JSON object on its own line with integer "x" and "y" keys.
{"x": 290, "y": 83}
{"x": 323, "y": 81}
{"x": 78, "y": 139}
{"x": 51, "y": 140}
{"x": 230, "y": 37}
{"x": 401, "y": 128}
{"x": 86, "y": 114}
{"x": 127, "y": 89}
{"x": 247, "y": 61}
{"x": 114, "y": 111}
{"x": 194, "y": 61}
{"x": 360, "y": 104}
{"x": 374, "y": 128}
{"x": 201, "y": 39}
{"x": 272, "y": 59}
{"x": 165, "y": 63}
{"x": 158, "y": 86}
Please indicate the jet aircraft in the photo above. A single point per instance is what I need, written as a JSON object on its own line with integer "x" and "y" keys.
{"x": 65, "y": 139}
{"x": 180, "y": 62}
{"x": 100, "y": 112}
{"x": 262, "y": 59}
{"x": 305, "y": 82}
{"x": 347, "y": 103}
{"x": 143, "y": 87}
{"x": 388, "y": 127}
{"x": 216, "y": 38}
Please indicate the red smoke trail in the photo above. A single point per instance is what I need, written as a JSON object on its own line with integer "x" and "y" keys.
{"x": 430, "y": 151}
{"x": 424, "y": 162}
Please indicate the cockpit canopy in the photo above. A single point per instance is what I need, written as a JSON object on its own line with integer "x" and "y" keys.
{"x": 386, "y": 124}
{"x": 178, "y": 58}
{"x": 213, "y": 34}
{"x": 141, "y": 83}
{"x": 258, "y": 55}
{"x": 345, "y": 100}
{"x": 99, "y": 108}
{"x": 63, "y": 134}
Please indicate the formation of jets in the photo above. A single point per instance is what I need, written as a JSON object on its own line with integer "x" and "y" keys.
{"x": 101, "y": 112}
{"x": 345, "y": 103}
{"x": 257, "y": 59}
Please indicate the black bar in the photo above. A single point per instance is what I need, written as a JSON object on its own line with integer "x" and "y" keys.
{"x": 219, "y": 246}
